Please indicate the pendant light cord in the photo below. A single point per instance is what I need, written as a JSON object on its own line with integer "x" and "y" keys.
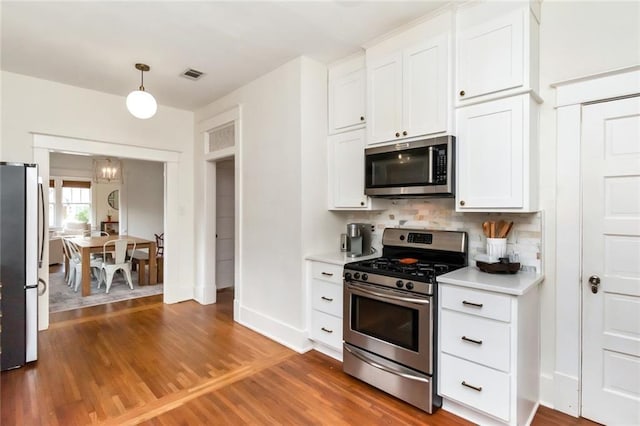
{"x": 142, "y": 80}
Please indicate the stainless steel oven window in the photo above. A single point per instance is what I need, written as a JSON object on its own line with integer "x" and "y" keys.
{"x": 398, "y": 325}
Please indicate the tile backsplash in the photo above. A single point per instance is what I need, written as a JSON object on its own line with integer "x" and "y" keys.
{"x": 525, "y": 237}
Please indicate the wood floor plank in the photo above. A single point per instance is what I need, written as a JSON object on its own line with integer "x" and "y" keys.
{"x": 144, "y": 362}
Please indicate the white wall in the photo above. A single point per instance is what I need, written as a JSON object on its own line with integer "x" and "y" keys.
{"x": 576, "y": 39}
{"x": 31, "y": 105}
{"x": 283, "y": 128}
{"x": 142, "y": 199}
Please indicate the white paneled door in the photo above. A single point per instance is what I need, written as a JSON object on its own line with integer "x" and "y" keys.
{"x": 611, "y": 261}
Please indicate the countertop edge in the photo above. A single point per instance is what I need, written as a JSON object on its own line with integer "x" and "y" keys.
{"x": 338, "y": 258}
{"x": 468, "y": 277}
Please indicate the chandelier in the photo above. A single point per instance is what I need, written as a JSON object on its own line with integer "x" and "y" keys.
{"x": 107, "y": 170}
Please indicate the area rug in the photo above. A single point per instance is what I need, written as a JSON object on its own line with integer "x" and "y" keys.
{"x": 63, "y": 298}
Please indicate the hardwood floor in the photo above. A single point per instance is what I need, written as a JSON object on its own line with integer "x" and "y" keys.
{"x": 143, "y": 362}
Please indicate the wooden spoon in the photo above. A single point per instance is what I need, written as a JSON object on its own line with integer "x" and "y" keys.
{"x": 503, "y": 229}
{"x": 492, "y": 229}
{"x": 506, "y": 232}
{"x": 485, "y": 229}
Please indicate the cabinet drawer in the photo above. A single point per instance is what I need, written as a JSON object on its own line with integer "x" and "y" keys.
{"x": 476, "y": 302}
{"x": 327, "y": 272}
{"x": 327, "y": 329}
{"x": 480, "y": 340}
{"x": 459, "y": 377}
{"x": 327, "y": 297}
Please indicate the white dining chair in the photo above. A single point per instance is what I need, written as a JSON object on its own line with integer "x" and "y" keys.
{"x": 75, "y": 266}
{"x": 118, "y": 261}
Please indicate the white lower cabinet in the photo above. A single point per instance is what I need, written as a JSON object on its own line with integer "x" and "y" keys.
{"x": 325, "y": 322}
{"x": 488, "y": 354}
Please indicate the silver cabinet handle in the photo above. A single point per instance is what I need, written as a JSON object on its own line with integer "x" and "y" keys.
{"x": 326, "y": 330}
{"x": 327, "y": 274}
{"x": 475, "y": 388}
{"x": 326, "y": 298}
{"x": 468, "y": 339}
{"x": 475, "y": 305}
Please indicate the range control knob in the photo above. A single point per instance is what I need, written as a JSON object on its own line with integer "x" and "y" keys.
{"x": 356, "y": 275}
{"x": 347, "y": 276}
{"x": 409, "y": 285}
{"x": 399, "y": 284}
{"x": 365, "y": 277}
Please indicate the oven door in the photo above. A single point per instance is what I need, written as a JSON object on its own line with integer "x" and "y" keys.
{"x": 393, "y": 324}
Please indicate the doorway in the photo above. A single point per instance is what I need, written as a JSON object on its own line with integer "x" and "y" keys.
{"x": 597, "y": 327}
{"x": 225, "y": 224}
{"x": 44, "y": 144}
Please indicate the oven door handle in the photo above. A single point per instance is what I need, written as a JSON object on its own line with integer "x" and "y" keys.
{"x": 388, "y": 296}
{"x": 362, "y": 357}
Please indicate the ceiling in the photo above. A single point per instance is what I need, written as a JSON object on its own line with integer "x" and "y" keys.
{"x": 95, "y": 44}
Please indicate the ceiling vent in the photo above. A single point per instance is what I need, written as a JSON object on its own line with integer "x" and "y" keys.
{"x": 192, "y": 74}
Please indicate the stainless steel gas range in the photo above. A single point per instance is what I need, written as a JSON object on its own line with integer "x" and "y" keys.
{"x": 390, "y": 312}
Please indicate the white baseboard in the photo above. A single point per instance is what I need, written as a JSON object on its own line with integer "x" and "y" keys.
{"x": 566, "y": 394}
{"x": 205, "y": 295}
{"x": 469, "y": 413}
{"x": 274, "y": 329}
{"x": 547, "y": 391}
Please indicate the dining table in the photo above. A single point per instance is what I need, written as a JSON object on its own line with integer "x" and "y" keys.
{"x": 88, "y": 245}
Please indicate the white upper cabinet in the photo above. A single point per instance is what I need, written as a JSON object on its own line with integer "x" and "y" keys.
{"x": 408, "y": 83}
{"x": 497, "y": 50}
{"x": 497, "y": 155}
{"x": 346, "y": 173}
{"x": 346, "y": 95}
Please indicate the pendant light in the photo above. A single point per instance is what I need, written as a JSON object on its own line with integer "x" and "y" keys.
{"x": 141, "y": 104}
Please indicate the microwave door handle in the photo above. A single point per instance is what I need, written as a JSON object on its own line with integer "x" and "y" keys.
{"x": 430, "y": 164}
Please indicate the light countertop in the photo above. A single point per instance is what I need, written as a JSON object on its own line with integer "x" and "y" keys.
{"x": 339, "y": 257}
{"x": 472, "y": 277}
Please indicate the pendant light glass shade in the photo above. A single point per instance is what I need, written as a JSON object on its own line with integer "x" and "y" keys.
{"x": 142, "y": 104}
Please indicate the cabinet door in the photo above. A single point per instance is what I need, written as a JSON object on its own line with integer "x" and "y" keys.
{"x": 346, "y": 170}
{"x": 425, "y": 69}
{"x": 346, "y": 100}
{"x": 384, "y": 85}
{"x": 490, "y": 154}
{"x": 491, "y": 56}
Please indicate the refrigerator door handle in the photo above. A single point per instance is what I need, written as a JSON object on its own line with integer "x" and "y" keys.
{"x": 42, "y": 290}
{"x": 41, "y": 242}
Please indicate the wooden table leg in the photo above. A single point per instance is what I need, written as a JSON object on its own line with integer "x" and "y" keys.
{"x": 86, "y": 271}
{"x": 153, "y": 267}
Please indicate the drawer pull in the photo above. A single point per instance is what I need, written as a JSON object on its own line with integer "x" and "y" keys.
{"x": 475, "y": 388}
{"x": 475, "y": 305}
{"x": 326, "y": 330}
{"x": 328, "y": 299}
{"x": 467, "y": 339}
{"x": 327, "y": 274}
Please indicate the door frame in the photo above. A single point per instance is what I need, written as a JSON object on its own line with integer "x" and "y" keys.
{"x": 206, "y": 288}
{"x": 570, "y": 97}
{"x": 44, "y": 144}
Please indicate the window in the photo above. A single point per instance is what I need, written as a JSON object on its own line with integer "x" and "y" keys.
{"x": 76, "y": 201}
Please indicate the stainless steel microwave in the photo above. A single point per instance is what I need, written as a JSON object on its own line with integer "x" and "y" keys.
{"x": 423, "y": 168}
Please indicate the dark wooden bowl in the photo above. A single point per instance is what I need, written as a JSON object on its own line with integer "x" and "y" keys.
{"x": 498, "y": 268}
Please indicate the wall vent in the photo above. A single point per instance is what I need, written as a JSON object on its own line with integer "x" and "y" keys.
{"x": 192, "y": 74}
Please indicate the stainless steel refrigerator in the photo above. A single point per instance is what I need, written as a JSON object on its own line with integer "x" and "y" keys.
{"x": 20, "y": 254}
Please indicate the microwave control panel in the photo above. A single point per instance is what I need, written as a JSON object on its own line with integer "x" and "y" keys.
{"x": 440, "y": 166}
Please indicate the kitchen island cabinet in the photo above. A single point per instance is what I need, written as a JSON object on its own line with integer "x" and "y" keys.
{"x": 489, "y": 343}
